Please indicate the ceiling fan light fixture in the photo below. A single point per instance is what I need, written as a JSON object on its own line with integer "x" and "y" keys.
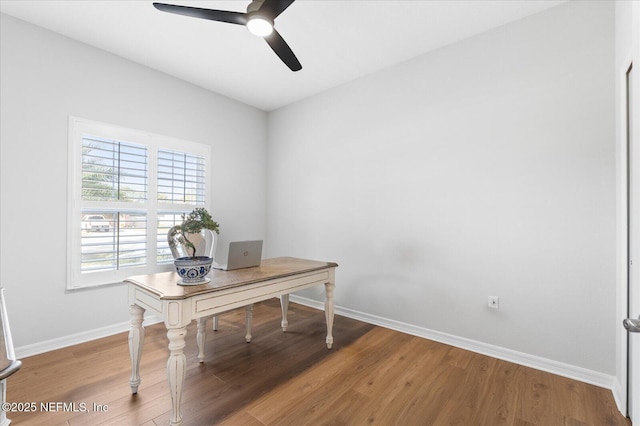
{"x": 259, "y": 25}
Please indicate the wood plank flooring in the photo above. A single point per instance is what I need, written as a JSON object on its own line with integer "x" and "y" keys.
{"x": 372, "y": 376}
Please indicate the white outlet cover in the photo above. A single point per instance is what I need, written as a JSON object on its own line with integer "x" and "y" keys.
{"x": 493, "y": 302}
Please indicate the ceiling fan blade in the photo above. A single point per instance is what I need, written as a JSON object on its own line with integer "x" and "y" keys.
{"x": 196, "y": 12}
{"x": 273, "y": 8}
{"x": 282, "y": 49}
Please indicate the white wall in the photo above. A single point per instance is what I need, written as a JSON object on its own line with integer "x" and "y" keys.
{"x": 484, "y": 168}
{"x": 44, "y": 78}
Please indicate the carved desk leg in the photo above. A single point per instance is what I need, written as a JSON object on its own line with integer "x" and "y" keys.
{"x": 176, "y": 371}
{"x": 248, "y": 318}
{"x": 201, "y": 337}
{"x": 136, "y": 340}
{"x": 284, "y": 305}
{"x": 328, "y": 312}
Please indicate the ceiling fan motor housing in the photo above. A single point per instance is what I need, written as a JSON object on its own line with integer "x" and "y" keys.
{"x": 254, "y": 6}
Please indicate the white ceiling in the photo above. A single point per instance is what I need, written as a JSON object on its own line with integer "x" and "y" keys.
{"x": 335, "y": 40}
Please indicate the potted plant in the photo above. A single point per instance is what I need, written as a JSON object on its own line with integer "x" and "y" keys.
{"x": 194, "y": 268}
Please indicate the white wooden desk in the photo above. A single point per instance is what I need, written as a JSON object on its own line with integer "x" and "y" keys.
{"x": 179, "y": 305}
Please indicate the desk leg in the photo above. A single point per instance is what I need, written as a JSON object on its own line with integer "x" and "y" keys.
{"x": 248, "y": 314}
{"x": 176, "y": 371}
{"x": 328, "y": 312}
{"x": 284, "y": 305}
{"x": 136, "y": 340}
{"x": 215, "y": 323}
{"x": 201, "y": 337}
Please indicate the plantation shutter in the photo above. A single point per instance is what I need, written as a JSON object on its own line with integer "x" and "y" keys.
{"x": 114, "y": 174}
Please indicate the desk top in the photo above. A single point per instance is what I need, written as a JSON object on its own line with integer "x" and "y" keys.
{"x": 164, "y": 284}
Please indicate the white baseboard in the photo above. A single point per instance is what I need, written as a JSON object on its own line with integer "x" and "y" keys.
{"x": 619, "y": 396}
{"x": 74, "y": 339}
{"x": 539, "y": 363}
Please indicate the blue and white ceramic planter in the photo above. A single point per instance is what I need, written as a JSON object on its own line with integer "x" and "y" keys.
{"x": 193, "y": 271}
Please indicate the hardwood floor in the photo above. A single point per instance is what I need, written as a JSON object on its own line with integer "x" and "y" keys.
{"x": 372, "y": 376}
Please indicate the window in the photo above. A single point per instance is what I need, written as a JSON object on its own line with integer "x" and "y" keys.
{"x": 127, "y": 188}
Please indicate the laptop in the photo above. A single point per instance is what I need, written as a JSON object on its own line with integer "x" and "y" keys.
{"x": 242, "y": 254}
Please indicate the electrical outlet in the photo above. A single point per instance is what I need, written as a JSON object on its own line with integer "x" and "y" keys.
{"x": 493, "y": 302}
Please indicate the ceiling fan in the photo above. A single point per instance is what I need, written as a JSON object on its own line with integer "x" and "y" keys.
{"x": 258, "y": 20}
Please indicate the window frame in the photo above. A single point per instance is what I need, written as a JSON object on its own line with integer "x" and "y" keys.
{"x": 78, "y": 127}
